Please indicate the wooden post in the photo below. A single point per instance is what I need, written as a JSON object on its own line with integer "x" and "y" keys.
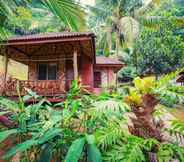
{"x": 75, "y": 66}
{"x": 5, "y": 68}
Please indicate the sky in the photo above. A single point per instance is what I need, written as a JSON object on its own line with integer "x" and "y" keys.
{"x": 88, "y": 2}
{"x": 92, "y": 2}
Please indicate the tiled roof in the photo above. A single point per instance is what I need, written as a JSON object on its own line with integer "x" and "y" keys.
{"x": 180, "y": 79}
{"x": 181, "y": 73}
{"x": 51, "y": 36}
{"x": 102, "y": 60}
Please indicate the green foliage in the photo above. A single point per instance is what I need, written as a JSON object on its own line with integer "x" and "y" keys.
{"x": 24, "y": 17}
{"x": 109, "y": 108}
{"x": 128, "y": 72}
{"x": 69, "y": 12}
{"x": 5, "y": 134}
{"x": 109, "y": 135}
{"x": 20, "y": 148}
{"x": 177, "y": 129}
{"x": 168, "y": 152}
{"x": 162, "y": 51}
{"x": 84, "y": 126}
{"x": 129, "y": 150}
{"x": 75, "y": 150}
{"x": 46, "y": 153}
{"x": 115, "y": 24}
{"x": 168, "y": 93}
{"x": 94, "y": 154}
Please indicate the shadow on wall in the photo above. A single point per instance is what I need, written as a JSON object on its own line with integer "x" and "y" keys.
{"x": 15, "y": 69}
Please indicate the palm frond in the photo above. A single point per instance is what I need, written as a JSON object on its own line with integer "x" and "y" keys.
{"x": 177, "y": 130}
{"x": 110, "y": 135}
{"x": 130, "y": 29}
{"x": 67, "y": 10}
{"x": 130, "y": 151}
{"x": 157, "y": 21}
{"x": 109, "y": 108}
{"x": 149, "y": 5}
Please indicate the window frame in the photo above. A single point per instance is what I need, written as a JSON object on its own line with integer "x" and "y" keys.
{"x": 99, "y": 81}
{"x": 47, "y": 71}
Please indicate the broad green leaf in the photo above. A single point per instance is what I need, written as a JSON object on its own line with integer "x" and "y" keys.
{"x": 27, "y": 97}
{"x": 90, "y": 139}
{"x": 20, "y": 148}
{"x": 5, "y": 134}
{"x": 9, "y": 105}
{"x": 94, "y": 154}
{"x": 51, "y": 133}
{"x": 4, "y": 112}
{"x": 46, "y": 153}
{"x": 75, "y": 150}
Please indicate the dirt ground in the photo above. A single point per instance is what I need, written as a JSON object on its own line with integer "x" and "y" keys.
{"x": 178, "y": 112}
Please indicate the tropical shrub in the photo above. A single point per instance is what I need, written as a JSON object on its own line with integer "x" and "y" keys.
{"x": 86, "y": 127}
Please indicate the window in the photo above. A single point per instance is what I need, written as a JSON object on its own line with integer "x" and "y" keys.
{"x": 47, "y": 71}
{"x": 97, "y": 79}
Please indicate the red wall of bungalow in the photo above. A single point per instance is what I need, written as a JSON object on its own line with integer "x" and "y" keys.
{"x": 87, "y": 73}
{"x": 105, "y": 73}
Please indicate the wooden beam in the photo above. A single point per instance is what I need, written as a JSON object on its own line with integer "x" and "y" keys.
{"x": 36, "y": 50}
{"x": 75, "y": 64}
{"x": 19, "y": 50}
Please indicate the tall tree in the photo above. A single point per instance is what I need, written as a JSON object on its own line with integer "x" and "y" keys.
{"x": 117, "y": 22}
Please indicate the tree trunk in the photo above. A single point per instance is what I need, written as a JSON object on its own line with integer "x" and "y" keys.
{"x": 144, "y": 125}
{"x": 117, "y": 42}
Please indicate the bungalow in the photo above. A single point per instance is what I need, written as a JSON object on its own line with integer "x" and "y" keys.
{"x": 180, "y": 78}
{"x": 54, "y": 60}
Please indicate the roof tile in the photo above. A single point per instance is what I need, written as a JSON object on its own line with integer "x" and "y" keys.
{"x": 51, "y": 36}
{"x": 102, "y": 60}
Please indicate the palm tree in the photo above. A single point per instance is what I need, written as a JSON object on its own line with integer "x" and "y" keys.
{"x": 119, "y": 21}
{"x": 68, "y": 12}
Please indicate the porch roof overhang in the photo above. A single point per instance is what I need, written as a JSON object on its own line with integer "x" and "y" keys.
{"x": 107, "y": 62}
{"x": 75, "y": 40}
{"x": 49, "y": 38}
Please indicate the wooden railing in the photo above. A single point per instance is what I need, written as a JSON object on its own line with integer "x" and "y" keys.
{"x": 42, "y": 87}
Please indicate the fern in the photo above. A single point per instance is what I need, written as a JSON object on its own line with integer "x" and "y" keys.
{"x": 109, "y": 108}
{"x": 169, "y": 152}
{"x": 126, "y": 151}
{"x": 165, "y": 80}
{"x": 107, "y": 136}
{"x": 168, "y": 93}
{"x": 169, "y": 98}
{"x": 177, "y": 130}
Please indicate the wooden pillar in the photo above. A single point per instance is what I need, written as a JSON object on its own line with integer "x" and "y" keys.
{"x": 75, "y": 65}
{"x": 5, "y": 69}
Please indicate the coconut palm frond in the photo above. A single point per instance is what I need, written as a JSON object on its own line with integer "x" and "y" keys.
{"x": 148, "y": 7}
{"x": 130, "y": 29}
{"x": 109, "y": 108}
{"x": 156, "y": 21}
{"x": 67, "y": 10}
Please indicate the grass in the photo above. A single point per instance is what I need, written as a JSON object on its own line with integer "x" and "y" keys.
{"x": 15, "y": 69}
